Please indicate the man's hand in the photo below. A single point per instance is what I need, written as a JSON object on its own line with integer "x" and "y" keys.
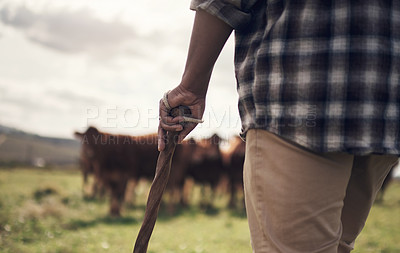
{"x": 176, "y": 97}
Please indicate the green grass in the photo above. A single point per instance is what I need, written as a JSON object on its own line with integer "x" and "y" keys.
{"x": 381, "y": 233}
{"x": 44, "y": 211}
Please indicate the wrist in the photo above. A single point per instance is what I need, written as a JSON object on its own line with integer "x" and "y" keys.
{"x": 196, "y": 83}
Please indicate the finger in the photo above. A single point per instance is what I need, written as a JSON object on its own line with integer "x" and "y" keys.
{"x": 161, "y": 138}
{"x": 163, "y": 111}
{"x": 172, "y": 121}
{"x": 167, "y": 127}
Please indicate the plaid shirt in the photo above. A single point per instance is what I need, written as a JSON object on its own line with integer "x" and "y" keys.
{"x": 323, "y": 74}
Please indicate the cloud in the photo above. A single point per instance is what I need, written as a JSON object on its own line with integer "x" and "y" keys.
{"x": 41, "y": 99}
{"x": 105, "y": 62}
{"x": 70, "y": 31}
{"x": 66, "y": 96}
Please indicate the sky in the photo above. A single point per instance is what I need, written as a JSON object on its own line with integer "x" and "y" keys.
{"x": 69, "y": 64}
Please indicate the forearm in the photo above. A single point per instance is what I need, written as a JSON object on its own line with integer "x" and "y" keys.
{"x": 209, "y": 35}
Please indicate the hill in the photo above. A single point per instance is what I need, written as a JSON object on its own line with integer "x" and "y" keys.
{"x": 18, "y": 147}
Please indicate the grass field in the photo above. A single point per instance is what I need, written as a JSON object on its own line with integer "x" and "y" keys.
{"x": 44, "y": 211}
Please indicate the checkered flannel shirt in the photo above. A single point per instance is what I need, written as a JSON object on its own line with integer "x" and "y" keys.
{"x": 324, "y": 74}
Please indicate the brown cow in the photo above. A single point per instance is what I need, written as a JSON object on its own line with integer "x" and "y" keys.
{"x": 234, "y": 160}
{"x": 115, "y": 159}
{"x": 87, "y": 167}
{"x": 180, "y": 165}
{"x": 206, "y": 167}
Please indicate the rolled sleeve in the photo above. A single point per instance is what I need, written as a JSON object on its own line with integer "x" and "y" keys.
{"x": 228, "y": 11}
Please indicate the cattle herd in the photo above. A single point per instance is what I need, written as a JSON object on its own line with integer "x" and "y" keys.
{"x": 114, "y": 160}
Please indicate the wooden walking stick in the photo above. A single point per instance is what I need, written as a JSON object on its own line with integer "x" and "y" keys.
{"x": 160, "y": 181}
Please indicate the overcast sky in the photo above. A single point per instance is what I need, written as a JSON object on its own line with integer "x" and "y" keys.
{"x": 68, "y": 64}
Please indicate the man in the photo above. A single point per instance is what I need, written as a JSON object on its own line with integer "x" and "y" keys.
{"x": 319, "y": 100}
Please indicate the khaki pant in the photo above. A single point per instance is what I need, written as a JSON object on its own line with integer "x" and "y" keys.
{"x": 301, "y": 201}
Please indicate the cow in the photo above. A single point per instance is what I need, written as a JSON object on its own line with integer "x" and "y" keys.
{"x": 233, "y": 161}
{"x": 86, "y": 165}
{"x": 115, "y": 159}
{"x": 206, "y": 166}
{"x": 181, "y": 163}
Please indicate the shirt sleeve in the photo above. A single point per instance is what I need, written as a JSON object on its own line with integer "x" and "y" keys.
{"x": 229, "y": 11}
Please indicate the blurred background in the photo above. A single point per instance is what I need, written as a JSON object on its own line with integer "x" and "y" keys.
{"x": 66, "y": 65}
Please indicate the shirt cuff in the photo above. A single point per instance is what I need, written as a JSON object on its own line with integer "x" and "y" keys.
{"x": 227, "y": 11}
